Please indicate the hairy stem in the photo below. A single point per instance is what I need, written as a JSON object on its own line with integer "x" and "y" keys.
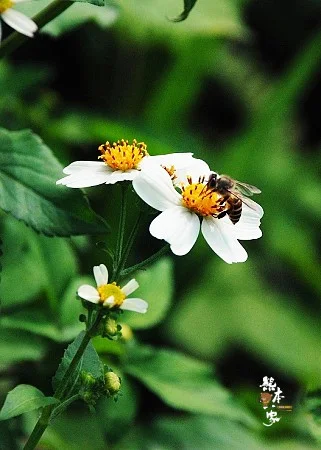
{"x": 47, "y": 412}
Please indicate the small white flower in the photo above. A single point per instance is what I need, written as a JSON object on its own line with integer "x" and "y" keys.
{"x": 120, "y": 161}
{"x": 16, "y": 19}
{"x": 110, "y": 295}
{"x": 184, "y": 213}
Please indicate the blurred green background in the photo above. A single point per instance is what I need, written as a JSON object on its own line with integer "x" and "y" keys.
{"x": 238, "y": 85}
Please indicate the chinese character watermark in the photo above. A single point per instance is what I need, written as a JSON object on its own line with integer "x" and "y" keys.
{"x": 270, "y": 399}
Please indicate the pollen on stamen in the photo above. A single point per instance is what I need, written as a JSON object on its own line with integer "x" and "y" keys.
{"x": 199, "y": 200}
{"x": 111, "y": 290}
{"x": 122, "y": 155}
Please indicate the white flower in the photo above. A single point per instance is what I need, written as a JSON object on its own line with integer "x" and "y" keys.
{"x": 16, "y": 19}
{"x": 111, "y": 295}
{"x": 184, "y": 213}
{"x": 120, "y": 161}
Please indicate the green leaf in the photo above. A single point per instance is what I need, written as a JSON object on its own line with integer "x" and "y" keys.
{"x": 191, "y": 432}
{"x": 45, "y": 264}
{"x": 240, "y": 301}
{"x": 17, "y": 346}
{"x": 24, "y": 398}
{"x": 184, "y": 383}
{"x": 89, "y": 362}
{"x": 75, "y": 430}
{"x": 156, "y": 287}
{"x": 33, "y": 321}
{"x": 28, "y": 175}
{"x": 188, "y": 6}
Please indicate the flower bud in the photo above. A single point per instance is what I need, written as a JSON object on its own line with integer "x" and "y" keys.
{"x": 126, "y": 332}
{"x": 87, "y": 379}
{"x": 112, "y": 383}
{"x": 111, "y": 328}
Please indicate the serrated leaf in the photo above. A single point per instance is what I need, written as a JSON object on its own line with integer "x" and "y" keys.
{"x": 184, "y": 383}
{"x": 24, "y": 398}
{"x": 156, "y": 287}
{"x": 89, "y": 362}
{"x": 28, "y": 175}
{"x": 188, "y": 6}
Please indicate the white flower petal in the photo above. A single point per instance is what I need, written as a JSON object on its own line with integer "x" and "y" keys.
{"x": 251, "y": 208}
{"x": 179, "y": 227}
{"x": 88, "y": 293}
{"x": 155, "y": 187}
{"x": 248, "y": 227}
{"x": 19, "y": 22}
{"x": 130, "y": 287}
{"x": 100, "y": 274}
{"x": 84, "y": 179}
{"x": 120, "y": 175}
{"x": 168, "y": 160}
{"x": 220, "y": 236}
{"x": 135, "y": 304}
{"x": 90, "y": 166}
{"x": 109, "y": 301}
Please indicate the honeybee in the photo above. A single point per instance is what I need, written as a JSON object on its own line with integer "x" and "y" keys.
{"x": 232, "y": 192}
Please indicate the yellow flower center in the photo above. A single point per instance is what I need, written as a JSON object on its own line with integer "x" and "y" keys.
{"x": 4, "y": 5}
{"x": 107, "y": 290}
{"x": 202, "y": 200}
{"x": 122, "y": 155}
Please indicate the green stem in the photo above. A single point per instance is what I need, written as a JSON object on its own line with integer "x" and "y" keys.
{"x": 60, "y": 408}
{"x": 49, "y": 13}
{"x": 63, "y": 385}
{"x": 121, "y": 229}
{"x": 129, "y": 245}
{"x": 146, "y": 262}
{"x": 47, "y": 412}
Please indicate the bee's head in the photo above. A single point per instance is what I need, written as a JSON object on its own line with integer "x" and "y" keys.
{"x": 212, "y": 180}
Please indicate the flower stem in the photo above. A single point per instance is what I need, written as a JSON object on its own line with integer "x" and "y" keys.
{"x": 45, "y": 16}
{"x": 48, "y": 411}
{"x": 146, "y": 262}
{"x": 129, "y": 244}
{"x": 121, "y": 230}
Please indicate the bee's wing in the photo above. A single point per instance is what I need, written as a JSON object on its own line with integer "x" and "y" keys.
{"x": 253, "y": 206}
{"x": 246, "y": 189}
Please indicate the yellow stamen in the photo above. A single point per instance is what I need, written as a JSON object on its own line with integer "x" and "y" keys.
{"x": 122, "y": 155}
{"x": 107, "y": 290}
{"x": 171, "y": 172}
{"x": 202, "y": 200}
{"x": 4, "y": 5}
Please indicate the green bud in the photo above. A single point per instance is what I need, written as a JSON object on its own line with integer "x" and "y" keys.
{"x": 111, "y": 328}
{"x": 87, "y": 379}
{"x": 112, "y": 383}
